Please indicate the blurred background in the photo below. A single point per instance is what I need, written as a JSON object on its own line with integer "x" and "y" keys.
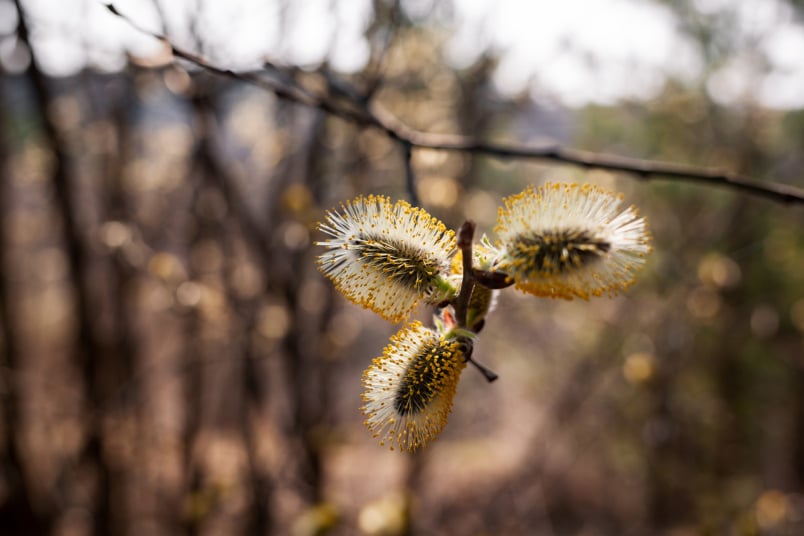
{"x": 173, "y": 363}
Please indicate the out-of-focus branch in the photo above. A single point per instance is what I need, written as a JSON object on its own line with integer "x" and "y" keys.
{"x": 371, "y": 114}
{"x": 644, "y": 169}
{"x": 17, "y": 510}
{"x": 295, "y": 93}
{"x": 410, "y": 174}
{"x": 375, "y": 69}
{"x": 89, "y": 353}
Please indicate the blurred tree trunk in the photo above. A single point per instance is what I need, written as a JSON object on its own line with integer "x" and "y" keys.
{"x": 306, "y": 370}
{"x": 90, "y": 361}
{"x": 251, "y": 385}
{"x": 17, "y": 512}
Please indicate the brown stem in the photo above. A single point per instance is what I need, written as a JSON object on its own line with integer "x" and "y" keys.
{"x": 466, "y": 234}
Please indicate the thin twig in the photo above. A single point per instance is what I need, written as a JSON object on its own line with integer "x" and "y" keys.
{"x": 466, "y": 235}
{"x": 371, "y": 114}
{"x": 643, "y": 169}
{"x": 410, "y": 175}
{"x": 295, "y": 93}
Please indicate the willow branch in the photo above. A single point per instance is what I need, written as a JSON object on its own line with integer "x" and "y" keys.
{"x": 288, "y": 89}
{"x": 373, "y": 115}
{"x": 643, "y": 169}
{"x": 465, "y": 237}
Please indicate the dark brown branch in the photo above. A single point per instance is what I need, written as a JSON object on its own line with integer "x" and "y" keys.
{"x": 371, "y": 114}
{"x": 295, "y": 93}
{"x": 466, "y": 234}
{"x": 644, "y": 169}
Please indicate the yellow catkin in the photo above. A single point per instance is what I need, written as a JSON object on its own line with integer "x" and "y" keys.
{"x": 570, "y": 241}
{"x": 385, "y": 256}
{"x": 408, "y": 390}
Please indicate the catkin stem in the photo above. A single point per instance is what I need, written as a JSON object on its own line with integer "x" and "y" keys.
{"x": 466, "y": 234}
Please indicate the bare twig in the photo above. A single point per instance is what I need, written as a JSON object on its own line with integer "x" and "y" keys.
{"x": 644, "y": 169}
{"x": 371, "y": 114}
{"x": 466, "y": 234}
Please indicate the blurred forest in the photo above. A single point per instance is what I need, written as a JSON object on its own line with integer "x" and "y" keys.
{"x": 173, "y": 362}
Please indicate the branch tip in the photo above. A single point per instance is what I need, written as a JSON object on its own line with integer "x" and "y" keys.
{"x": 466, "y": 234}
{"x": 487, "y": 373}
{"x": 492, "y": 280}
